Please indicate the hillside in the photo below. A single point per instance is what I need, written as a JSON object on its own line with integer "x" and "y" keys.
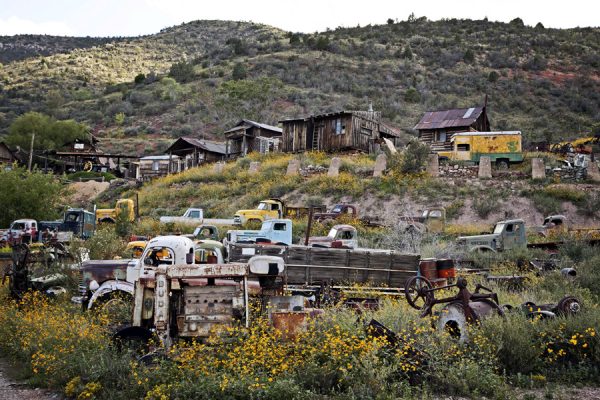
{"x": 545, "y": 82}
{"x": 469, "y": 202}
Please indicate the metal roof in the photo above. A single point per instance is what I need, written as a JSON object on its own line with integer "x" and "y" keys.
{"x": 487, "y": 133}
{"x": 246, "y": 123}
{"x": 213, "y": 147}
{"x": 457, "y": 117}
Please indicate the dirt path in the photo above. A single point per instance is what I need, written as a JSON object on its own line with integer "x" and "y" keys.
{"x": 10, "y": 389}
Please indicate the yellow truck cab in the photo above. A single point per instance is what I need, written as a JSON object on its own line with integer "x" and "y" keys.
{"x": 503, "y": 148}
{"x": 110, "y": 214}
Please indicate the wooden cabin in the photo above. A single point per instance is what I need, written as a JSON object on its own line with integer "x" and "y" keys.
{"x": 154, "y": 166}
{"x": 195, "y": 151}
{"x": 436, "y": 128}
{"x": 345, "y": 130}
{"x": 7, "y": 156}
{"x": 247, "y": 136}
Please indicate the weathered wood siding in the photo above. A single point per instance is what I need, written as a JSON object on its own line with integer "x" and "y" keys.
{"x": 5, "y": 155}
{"x": 312, "y": 265}
{"x": 295, "y": 135}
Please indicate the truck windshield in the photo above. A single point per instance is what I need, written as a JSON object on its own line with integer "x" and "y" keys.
{"x": 337, "y": 209}
{"x": 262, "y": 206}
{"x": 499, "y": 228}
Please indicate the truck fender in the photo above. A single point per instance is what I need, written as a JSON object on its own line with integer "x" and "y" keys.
{"x": 482, "y": 249}
{"x": 110, "y": 287}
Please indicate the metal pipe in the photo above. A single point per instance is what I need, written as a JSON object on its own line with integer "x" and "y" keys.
{"x": 247, "y": 306}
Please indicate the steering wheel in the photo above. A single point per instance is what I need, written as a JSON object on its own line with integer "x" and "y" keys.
{"x": 417, "y": 292}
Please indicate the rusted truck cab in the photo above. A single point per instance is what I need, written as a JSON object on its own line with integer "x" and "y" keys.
{"x": 507, "y": 235}
{"x": 337, "y": 211}
{"x": 340, "y": 236}
{"x": 103, "y": 279}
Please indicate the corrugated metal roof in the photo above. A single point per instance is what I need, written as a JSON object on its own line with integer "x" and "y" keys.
{"x": 214, "y": 147}
{"x": 246, "y": 123}
{"x": 458, "y": 117}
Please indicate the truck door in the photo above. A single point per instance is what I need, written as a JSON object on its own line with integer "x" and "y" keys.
{"x": 276, "y": 210}
{"x": 280, "y": 233}
{"x": 514, "y": 235}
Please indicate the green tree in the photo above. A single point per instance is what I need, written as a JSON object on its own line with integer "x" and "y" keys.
{"x": 50, "y": 134}
{"x": 239, "y": 72}
{"x": 407, "y": 54}
{"x": 412, "y": 95}
{"x": 139, "y": 78}
{"x": 390, "y": 21}
{"x": 493, "y": 76}
{"x": 414, "y": 158}
{"x": 182, "y": 72}
{"x": 29, "y": 195}
{"x": 469, "y": 56}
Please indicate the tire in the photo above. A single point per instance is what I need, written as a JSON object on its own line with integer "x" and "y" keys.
{"x": 502, "y": 164}
{"x": 117, "y": 307}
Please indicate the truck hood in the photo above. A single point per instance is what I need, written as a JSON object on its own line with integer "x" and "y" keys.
{"x": 244, "y": 212}
{"x": 320, "y": 239}
{"x": 105, "y": 210}
{"x": 478, "y": 238}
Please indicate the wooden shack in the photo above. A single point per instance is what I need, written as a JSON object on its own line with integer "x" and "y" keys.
{"x": 436, "y": 128}
{"x": 247, "y": 136}
{"x": 154, "y": 166}
{"x": 344, "y": 130}
{"x": 195, "y": 151}
{"x": 7, "y": 156}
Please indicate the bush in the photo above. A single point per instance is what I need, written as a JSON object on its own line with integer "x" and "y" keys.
{"x": 105, "y": 244}
{"x": 485, "y": 204}
{"x": 29, "y": 195}
{"x": 414, "y": 157}
{"x": 182, "y": 71}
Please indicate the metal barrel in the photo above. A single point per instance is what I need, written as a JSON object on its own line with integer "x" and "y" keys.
{"x": 428, "y": 268}
{"x": 446, "y": 269}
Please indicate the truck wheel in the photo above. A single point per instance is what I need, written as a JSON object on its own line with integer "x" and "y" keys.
{"x": 133, "y": 338}
{"x": 502, "y": 164}
{"x": 116, "y": 307}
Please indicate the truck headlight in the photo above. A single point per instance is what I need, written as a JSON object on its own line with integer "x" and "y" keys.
{"x": 94, "y": 285}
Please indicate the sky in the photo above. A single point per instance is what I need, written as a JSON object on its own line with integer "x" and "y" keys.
{"x": 141, "y": 17}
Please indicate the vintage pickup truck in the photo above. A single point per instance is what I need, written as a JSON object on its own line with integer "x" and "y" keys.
{"x": 277, "y": 231}
{"x": 272, "y": 209}
{"x": 194, "y": 216}
{"x": 339, "y": 236}
{"x": 102, "y": 281}
{"x": 507, "y": 235}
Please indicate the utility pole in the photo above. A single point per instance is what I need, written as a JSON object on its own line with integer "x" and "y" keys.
{"x": 31, "y": 152}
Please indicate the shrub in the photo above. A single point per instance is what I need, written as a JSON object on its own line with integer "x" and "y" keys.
{"x": 485, "y": 204}
{"x": 414, "y": 157}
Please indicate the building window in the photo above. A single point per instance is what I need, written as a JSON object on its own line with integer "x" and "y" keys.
{"x": 340, "y": 129}
{"x": 463, "y": 147}
{"x": 366, "y": 131}
{"x": 440, "y": 136}
{"x": 155, "y": 165}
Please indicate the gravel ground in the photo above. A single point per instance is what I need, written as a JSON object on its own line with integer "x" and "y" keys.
{"x": 10, "y": 389}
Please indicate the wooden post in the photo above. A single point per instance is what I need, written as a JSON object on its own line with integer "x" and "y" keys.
{"x": 31, "y": 152}
{"x": 137, "y": 206}
{"x": 170, "y": 161}
{"x": 309, "y": 225}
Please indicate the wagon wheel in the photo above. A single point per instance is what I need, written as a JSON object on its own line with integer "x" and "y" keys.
{"x": 568, "y": 305}
{"x": 417, "y": 292}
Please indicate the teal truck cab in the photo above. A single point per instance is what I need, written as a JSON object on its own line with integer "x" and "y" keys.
{"x": 276, "y": 231}
{"x": 507, "y": 235}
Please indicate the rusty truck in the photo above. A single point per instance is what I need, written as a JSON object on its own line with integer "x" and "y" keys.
{"x": 271, "y": 209}
{"x": 190, "y": 301}
{"x": 507, "y": 235}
